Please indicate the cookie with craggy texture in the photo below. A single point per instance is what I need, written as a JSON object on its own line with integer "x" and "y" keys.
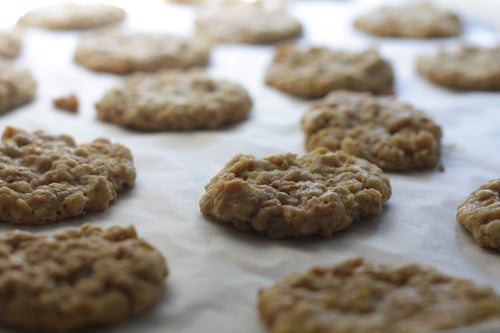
{"x": 47, "y": 178}
{"x": 466, "y": 68}
{"x": 77, "y": 278}
{"x": 480, "y": 214}
{"x": 122, "y": 53}
{"x": 412, "y": 20}
{"x": 393, "y": 135}
{"x": 285, "y": 195}
{"x": 10, "y": 44}
{"x": 313, "y": 72}
{"x": 175, "y": 100}
{"x": 358, "y": 296}
{"x": 17, "y": 87}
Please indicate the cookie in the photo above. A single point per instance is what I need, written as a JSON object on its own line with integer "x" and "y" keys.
{"x": 480, "y": 214}
{"x": 72, "y": 16}
{"x": 122, "y": 53}
{"x": 174, "y": 100}
{"x": 313, "y": 72}
{"x": 46, "y": 178}
{"x": 393, "y": 135}
{"x": 17, "y": 87}
{"x": 77, "y": 278}
{"x": 282, "y": 196}
{"x": 246, "y": 24}
{"x": 468, "y": 68}
{"x": 10, "y": 44}
{"x": 413, "y": 20}
{"x": 358, "y": 296}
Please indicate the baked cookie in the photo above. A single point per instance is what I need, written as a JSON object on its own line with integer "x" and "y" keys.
{"x": 17, "y": 87}
{"x": 246, "y": 24}
{"x": 357, "y": 296}
{"x": 72, "y": 16}
{"x": 10, "y": 44}
{"x": 284, "y": 195}
{"x": 174, "y": 100}
{"x": 77, "y": 278}
{"x": 468, "y": 68}
{"x": 393, "y": 135}
{"x": 46, "y": 178}
{"x": 122, "y": 53}
{"x": 480, "y": 214}
{"x": 313, "y": 72}
{"x": 413, "y": 20}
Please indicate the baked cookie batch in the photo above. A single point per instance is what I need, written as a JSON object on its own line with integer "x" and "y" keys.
{"x": 352, "y": 134}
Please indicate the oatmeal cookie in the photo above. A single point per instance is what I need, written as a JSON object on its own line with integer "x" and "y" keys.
{"x": 17, "y": 87}
{"x": 480, "y": 214}
{"x": 77, "y": 278}
{"x": 468, "y": 68}
{"x": 46, "y": 178}
{"x": 246, "y": 24}
{"x": 357, "y": 296}
{"x": 313, "y": 72}
{"x": 175, "y": 100}
{"x": 393, "y": 135}
{"x": 72, "y": 16}
{"x": 10, "y": 44}
{"x": 284, "y": 195}
{"x": 413, "y": 20}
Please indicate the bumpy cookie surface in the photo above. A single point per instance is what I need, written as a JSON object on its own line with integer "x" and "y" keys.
{"x": 313, "y": 72}
{"x": 414, "y": 20}
{"x": 480, "y": 214}
{"x": 175, "y": 100}
{"x": 288, "y": 196}
{"x": 10, "y": 44}
{"x": 46, "y": 178}
{"x": 355, "y": 296}
{"x": 17, "y": 87}
{"x": 468, "y": 68}
{"x": 246, "y": 24}
{"x": 393, "y": 135}
{"x": 122, "y": 53}
{"x": 72, "y": 16}
{"x": 77, "y": 278}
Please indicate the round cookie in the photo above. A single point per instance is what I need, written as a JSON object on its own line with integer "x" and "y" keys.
{"x": 174, "y": 100}
{"x": 10, "y": 44}
{"x": 413, "y": 20}
{"x": 313, "y": 72}
{"x": 468, "y": 68}
{"x": 480, "y": 214}
{"x": 46, "y": 178}
{"x": 246, "y": 24}
{"x": 393, "y": 135}
{"x": 77, "y": 278}
{"x": 72, "y": 16}
{"x": 17, "y": 87}
{"x": 283, "y": 196}
{"x": 122, "y": 53}
{"x": 357, "y": 296}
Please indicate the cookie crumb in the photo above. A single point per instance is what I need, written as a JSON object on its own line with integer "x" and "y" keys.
{"x": 441, "y": 167}
{"x": 67, "y": 103}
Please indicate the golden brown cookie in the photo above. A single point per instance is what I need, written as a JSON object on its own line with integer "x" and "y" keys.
{"x": 284, "y": 195}
{"x": 313, "y": 72}
{"x": 393, "y": 135}
{"x": 77, "y": 278}
{"x": 10, "y": 44}
{"x": 17, "y": 87}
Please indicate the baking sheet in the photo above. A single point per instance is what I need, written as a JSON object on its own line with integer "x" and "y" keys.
{"x": 216, "y": 271}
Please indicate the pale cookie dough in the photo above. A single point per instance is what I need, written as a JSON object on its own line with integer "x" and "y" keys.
{"x": 313, "y": 72}
{"x": 122, "y": 53}
{"x": 72, "y": 16}
{"x": 413, "y": 20}
{"x": 246, "y": 24}
{"x": 10, "y": 44}
{"x": 175, "y": 100}
{"x": 46, "y": 178}
{"x": 77, "y": 278}
{"x": 468, "y": 68}
{"x": 393, "y": 135}
{"x": 357, "y": 296}
{"x": 480, "y": 214}
{"x": 284, "y": 195}
{"x": 17, "y": 87}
